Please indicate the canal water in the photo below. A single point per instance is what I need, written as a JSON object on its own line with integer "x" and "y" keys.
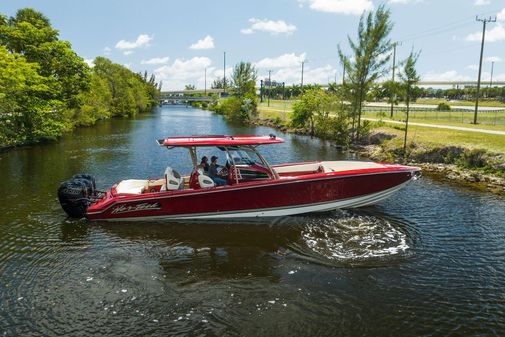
{"x": 428, "y": 261}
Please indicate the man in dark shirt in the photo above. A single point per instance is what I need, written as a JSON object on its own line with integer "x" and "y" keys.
{"x": 213, "y": 174}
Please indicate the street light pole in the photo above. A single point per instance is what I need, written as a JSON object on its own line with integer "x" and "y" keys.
{"x": 393, "y": 79}
{"x": 269, "y": 86}
{"x": 303, "y": 63}
{"x": 491, "y": 80}
{"x": 224, "y": 73}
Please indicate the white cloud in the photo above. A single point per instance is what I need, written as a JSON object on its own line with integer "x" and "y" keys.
{"x": 89, "y": 62}
{"x": 349, "y": 7}
{"x": 205, "y": 43}
{"x": 127, "y": 52}
{"x": 450, "y": 75}
{"x": 127, "y": 65}
{"x": 398, "y": 1}
{"x": 501, "y": 15}
{"x": 285, "y": 60}
{"x": 472, "y": 67}
{"x": 143, "y": 40}
{"x": 495, "y": 59}
{"x": 156, "y": 60}
{"x": 269, "y": 26}
{"x": 106, "y": 51}
{"x": 182, "y": 72}
{"x": 481, "y": 2}
{"x": 497, "y": 33}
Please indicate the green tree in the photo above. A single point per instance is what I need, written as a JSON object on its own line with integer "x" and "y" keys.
{"x": 189, "y": 87}
{"x": 243, "y": 80}
{"x": 24, "y": 109}
{"x": 47, "y": 89}
{"x": 218, "y": 84}
{"x": 369, "y": 57}
{"x": 313, "y": 102}
{"x": 409, "y": 78}
{"x": 30, "y": 33}
{"x": 242, "y": 105}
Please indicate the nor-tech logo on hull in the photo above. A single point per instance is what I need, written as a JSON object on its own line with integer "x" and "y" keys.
{"x": 145, "y": 206}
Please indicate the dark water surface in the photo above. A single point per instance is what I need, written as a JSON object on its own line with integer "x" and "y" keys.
{"x": 428, "y": 261}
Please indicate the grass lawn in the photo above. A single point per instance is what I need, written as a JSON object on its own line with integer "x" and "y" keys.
{"x": 418, "y": 134}
{"x": 440, "y": 137}
{"x": 447, "y": 118}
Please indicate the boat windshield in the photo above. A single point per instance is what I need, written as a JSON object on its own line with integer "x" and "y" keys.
{"x": 243, "y": 157}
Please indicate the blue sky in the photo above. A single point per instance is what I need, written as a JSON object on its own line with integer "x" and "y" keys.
{"x": 177, "y": 40}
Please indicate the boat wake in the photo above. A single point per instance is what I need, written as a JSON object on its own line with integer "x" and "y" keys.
{"x": 352, "y": 238}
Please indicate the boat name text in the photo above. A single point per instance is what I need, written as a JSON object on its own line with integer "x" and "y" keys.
{"x": 146, "y": 206}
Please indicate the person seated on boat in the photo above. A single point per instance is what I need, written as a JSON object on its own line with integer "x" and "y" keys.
{"x": 204, "y": 164}
{"x": 213, "y": 173}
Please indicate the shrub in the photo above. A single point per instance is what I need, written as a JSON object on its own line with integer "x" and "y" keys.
{"x": 473, "y": 158}
{"x": 443, "y": 107}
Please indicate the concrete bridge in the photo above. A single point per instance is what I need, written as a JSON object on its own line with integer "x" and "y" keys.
{"x": 182, "y": 97}
{"x": 185, "y": 99}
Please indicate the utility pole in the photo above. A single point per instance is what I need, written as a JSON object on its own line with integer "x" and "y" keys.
{"x": 343, "y": 74}
{"x": 393, "y": 94}
{"x": 224, "y": 73}
{"x": 205, "y": 86}
{"x": 261, "y": 91}
{"x": 491, "y": 80}
{"x": 484, "y": 22}
{"x": 303, "y": 62}
{"x": 269, "y": 86}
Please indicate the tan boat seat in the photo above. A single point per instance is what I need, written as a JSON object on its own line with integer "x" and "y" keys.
{"x": 131, "y": 186}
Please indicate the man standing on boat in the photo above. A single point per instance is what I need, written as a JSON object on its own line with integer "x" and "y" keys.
{"x": 213, "y": 174}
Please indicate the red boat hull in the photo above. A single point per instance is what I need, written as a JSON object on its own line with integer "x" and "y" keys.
{"x": 284, "y": 196}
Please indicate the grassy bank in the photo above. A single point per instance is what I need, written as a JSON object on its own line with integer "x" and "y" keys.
{"x": 458, "y": 155}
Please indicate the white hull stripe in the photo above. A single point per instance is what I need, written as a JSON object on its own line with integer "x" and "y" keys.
{"x": 360, "y": 201}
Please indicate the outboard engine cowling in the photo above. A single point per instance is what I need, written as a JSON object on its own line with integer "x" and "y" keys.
{"x": 89, "y": 181}
{"x": 76, "y": 194}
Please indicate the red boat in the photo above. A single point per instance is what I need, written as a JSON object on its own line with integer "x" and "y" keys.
{"x": 254, "y": 188}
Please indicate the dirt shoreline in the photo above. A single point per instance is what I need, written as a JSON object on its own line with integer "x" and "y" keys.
{"x": 441, "y": 171}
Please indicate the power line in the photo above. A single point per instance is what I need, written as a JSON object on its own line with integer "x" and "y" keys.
{"x": 443, "y": 28}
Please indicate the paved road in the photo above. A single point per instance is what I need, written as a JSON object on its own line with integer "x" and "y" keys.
{"x": 449, "y": 127}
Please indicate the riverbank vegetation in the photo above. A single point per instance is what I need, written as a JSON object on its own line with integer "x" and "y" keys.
{"x": 242, "y": 105}
{"x": 46, "y": 89}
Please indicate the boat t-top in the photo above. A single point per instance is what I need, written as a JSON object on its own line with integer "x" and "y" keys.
{"x": 247, "y": 186}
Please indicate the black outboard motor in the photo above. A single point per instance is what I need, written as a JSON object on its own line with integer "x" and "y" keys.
{"x": 77, "y": 194}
